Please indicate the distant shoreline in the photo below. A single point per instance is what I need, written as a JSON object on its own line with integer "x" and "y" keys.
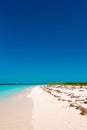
{"x": 49, "y": 83}
{"x": 23, "y": 83}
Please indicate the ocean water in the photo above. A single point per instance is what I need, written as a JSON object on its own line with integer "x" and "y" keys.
{"x": 7, "y": 90}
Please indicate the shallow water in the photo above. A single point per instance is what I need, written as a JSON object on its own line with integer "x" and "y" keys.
{"x": 7, "y": 90}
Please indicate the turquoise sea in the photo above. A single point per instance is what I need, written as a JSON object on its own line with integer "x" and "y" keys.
{"x": 7, "y": 90}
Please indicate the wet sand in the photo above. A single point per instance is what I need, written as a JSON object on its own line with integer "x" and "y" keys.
{"x": 16, "y": 112}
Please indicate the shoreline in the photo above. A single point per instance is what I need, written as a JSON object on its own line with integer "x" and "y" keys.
{"x": 36, "y": 109}
{"x": 16, "y": 111}
{"x": 11, "y": 95}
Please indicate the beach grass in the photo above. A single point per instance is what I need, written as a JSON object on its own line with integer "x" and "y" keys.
{"x": 68, "y": 83}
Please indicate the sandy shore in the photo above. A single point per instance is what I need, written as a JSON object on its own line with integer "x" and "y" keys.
{"x": 51, "y": 114}
{"x": 39, "y": 110}
{"x": 16, "y": 112}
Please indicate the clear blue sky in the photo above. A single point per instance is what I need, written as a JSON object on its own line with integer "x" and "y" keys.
{"x": 43, "y": 40}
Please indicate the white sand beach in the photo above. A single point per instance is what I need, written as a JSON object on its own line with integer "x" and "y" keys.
{"x": 51, "y": 114}
{"x": 39, "y": 110}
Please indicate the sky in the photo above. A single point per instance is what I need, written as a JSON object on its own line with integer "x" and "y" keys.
{"x": 43, "y": 40}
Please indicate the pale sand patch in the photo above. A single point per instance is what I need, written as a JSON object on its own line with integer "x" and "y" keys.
{"x": 51, "y": 114}
{"x": 16, "y": 112}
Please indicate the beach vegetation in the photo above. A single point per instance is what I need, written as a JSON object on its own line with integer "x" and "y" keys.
{"x": 68, "y": 83}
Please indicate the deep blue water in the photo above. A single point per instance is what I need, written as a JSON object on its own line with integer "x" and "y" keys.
{"x": 7, "y": 90}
